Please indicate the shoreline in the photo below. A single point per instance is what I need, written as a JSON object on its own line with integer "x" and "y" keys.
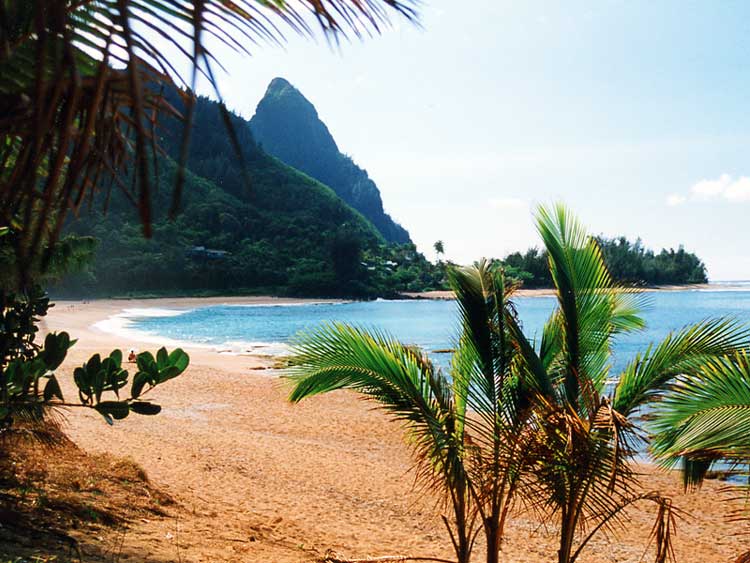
{"x": 112, "y": 316}
{"x": 87, "y": 320}
{"x": 447, "y": 295}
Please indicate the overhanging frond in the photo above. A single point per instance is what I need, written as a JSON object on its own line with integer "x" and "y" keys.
{"x": 705, "y": 417}
{"x": 684, "y": 352}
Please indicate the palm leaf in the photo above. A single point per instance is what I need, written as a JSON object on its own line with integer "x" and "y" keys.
{"x": 405, "y": 384}
{"x": 397, "y": 377}
{"x": 705, "y": 417}
{"x": 683, "y": 352}
{"x": 591, "y": 308}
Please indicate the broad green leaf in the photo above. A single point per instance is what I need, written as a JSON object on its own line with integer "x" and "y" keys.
{"x": 55, "y": 349}
{"x": 162, "y": 358}
{"x": 168, "y": 373}
{"x": 139, "y": 381}
{"x": 145, "y": 362}
{"x": 116, "y": 357}
{"x": 81, "y": 379}
{"x": 179, "y": 359}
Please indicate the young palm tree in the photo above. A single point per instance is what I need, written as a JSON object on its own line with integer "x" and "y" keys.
{"x": 586, "y": 436}
{"x": 476, "y": 461}
{"x": 407, "y": 386}
{"x": 526, "y": 420}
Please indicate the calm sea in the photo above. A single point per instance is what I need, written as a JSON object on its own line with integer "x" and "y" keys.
{"x": 429, "y": 324}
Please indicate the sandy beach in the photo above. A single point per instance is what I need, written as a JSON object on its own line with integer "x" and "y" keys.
{"x": 257, "y": 479}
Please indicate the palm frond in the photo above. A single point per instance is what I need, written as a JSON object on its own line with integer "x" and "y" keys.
{"x": 485, "y": 357}
{"x": 495, "y": 386}
{"x": 705, "y": 417}
{"x": 405, "y": 384}
{"x": 684, "y": 352}
{"x": 397, "y": 377}
{"x": 592, "y": 309}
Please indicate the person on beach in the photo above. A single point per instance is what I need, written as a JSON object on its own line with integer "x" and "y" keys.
{"x": 131, "y": 357}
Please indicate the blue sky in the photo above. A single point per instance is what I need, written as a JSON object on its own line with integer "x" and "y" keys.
{"x": 634, "y": 113}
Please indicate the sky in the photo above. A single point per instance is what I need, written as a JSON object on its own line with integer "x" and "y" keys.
{"x": 634, "y": 114}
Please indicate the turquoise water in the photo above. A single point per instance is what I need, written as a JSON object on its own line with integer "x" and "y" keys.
{"x": 429, "y": 324}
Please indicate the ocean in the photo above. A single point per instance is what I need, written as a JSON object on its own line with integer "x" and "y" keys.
{"x": 432, "y": 325}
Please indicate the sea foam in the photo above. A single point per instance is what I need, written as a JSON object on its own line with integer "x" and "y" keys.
{"x": 123, "y": 323}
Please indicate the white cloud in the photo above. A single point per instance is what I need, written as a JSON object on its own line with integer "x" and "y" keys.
{"x": 709, "y": 189}
{"x": 739, "y": 190}
{"x": 508, "y": 203}
{"x": 723, "y": 188}
{"x": 675, "y": 199}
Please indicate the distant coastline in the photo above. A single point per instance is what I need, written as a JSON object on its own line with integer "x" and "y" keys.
{"x": 198, "y": 299}
{"x": 548, "y": 292}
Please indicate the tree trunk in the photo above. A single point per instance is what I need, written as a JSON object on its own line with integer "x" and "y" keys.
{"x": 492, "y": 530}
{"x": 567, "y": 535}
{"x": 461, "y": 540}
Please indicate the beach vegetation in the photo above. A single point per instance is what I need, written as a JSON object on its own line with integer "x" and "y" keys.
{"x": 703, "y": 424}
{"x": 704, "y": 419}
{"x": 29, "y": 388}
{"x": 587, "y": 423}
{"x": 476, "y": 462}
{"x": 541, "y": 421}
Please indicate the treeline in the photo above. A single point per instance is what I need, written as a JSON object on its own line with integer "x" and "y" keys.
{"x": 628, "y": 262}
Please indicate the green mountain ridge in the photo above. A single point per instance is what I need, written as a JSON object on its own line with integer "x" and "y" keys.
{"x": 287, "y": 126}
{"x": 284, "y": 233}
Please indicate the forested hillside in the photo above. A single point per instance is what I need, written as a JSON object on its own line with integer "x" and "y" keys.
{"x": 287, "y": 125}
{"x": 281, "y": 232}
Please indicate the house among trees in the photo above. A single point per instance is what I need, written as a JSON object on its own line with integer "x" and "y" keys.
{"x": 201, "y": 252}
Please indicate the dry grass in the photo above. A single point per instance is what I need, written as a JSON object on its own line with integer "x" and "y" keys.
{"x": 58, "y": 503}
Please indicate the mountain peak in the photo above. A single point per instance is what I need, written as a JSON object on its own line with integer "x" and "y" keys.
{"x": 283, "y": 117}
{"x": 281, "y": 87}
{"x": 287, "y": 125}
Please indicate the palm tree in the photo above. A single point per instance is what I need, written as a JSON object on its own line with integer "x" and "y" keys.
{"x": 439, "y": 248}
{"x": 81, "y": 84}
{"x": 407, "y": 386}
{"x": 476, "y": 461}
{"x": 586, "y": 436}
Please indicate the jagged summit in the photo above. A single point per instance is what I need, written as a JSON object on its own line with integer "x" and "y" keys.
{"x": 287, "y": 125}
